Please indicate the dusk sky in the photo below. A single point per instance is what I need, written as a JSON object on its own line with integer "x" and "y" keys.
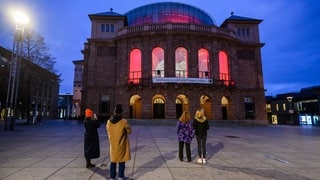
{"x": 290, "y": 57}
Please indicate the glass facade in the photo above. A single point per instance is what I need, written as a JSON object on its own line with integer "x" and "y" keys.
{"x": 168, "y": 12}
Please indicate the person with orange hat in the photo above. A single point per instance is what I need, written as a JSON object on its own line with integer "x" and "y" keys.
{"x": 91, "y": 137}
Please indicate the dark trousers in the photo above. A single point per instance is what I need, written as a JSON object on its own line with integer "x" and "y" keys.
{"x": 202, "y": 146}
{"x": 188, "y": 151}
{"x": 113, "y": 167}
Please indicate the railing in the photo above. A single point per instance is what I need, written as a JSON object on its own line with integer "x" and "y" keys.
{"x": 176, "y": 26}
{"x": 225, "y": 80}
{"x": 181, "y": 73}
{"x": 158, "y": 73}
{"x": 134, "y": 77}
{"x": 224, "y": 76}
{"x": 204, "y": 74}
{"x": 148, "y": 82}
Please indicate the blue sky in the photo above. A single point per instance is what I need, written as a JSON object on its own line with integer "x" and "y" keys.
{"x": 289, "y": 30}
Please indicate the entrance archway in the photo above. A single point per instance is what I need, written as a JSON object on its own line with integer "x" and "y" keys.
{"x": 135, "y": 107}
{"x": 158, "y": 107}
{"x": 205, "y": 103}
{"x": 178, "y": 108}
{"x": 224, "y": 107}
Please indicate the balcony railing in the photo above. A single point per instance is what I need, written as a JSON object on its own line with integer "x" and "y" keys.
{"x": 149, "y": 82}
{"x": 134, "y": 77}
{"x": 181, "y": 73}
{"x": 176, "y": 26}
{"x": 204, "y": 74}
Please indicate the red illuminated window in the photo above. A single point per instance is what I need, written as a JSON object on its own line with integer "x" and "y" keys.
{"x": 224, "y": 67}
{"x": 203, "y": 63}
{"x": 158, "y": 62}
{"x": 135, "y": 66}
{"x": 181, "y": 62}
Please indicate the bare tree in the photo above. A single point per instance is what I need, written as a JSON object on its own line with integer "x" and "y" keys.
{"x": 37, "y": 51}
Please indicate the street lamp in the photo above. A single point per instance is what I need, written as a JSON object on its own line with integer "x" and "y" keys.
{"x": 289, "y": 98}
{"x": 13, "y": 83}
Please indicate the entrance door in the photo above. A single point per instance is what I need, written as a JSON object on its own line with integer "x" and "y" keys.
{"x": 158, "y": 111}
{"x": 178, "y": 110}
{"x": 224, "y": 113}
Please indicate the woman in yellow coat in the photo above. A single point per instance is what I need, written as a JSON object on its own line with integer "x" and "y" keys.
{"x": 118, "y": 129}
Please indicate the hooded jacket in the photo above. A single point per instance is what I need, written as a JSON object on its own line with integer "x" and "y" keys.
{"x": 118, "y": 129}
{"x": 200, "y": 124}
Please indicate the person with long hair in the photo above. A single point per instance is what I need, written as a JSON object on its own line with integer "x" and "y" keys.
{"x": 185, "y": 135}
{"x": 201, "y": 126}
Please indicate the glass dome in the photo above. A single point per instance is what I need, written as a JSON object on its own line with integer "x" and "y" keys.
{"x": 168, "y": 12}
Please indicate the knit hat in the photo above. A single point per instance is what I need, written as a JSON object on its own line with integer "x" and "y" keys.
{"x": 88, "y": 112}
{"x": 118, "y": 109}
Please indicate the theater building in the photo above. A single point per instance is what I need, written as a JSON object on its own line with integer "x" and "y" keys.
{"x": 161, "y": 59}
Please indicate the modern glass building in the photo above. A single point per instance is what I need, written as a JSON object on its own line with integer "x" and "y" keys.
{"x": 167, "y": 12}
{"x": 161, "y": 59}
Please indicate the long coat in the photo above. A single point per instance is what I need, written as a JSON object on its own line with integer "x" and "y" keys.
{"x": 118, "y": 130}
{"x": 91, "y": 139}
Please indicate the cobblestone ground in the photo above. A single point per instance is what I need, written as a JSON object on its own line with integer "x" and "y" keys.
{"x": 54, "y": 150}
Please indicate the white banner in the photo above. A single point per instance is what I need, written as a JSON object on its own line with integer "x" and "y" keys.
{"x": 182, "y": 80}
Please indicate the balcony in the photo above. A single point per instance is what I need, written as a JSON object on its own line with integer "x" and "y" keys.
{"x": 176, "y": 26}
{"x": 149, "y": 82}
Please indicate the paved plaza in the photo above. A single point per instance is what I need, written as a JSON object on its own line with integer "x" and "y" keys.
{"x": 54, "y": 150}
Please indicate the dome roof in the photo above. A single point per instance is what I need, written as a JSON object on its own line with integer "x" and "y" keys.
{"x": 168, "y": 12}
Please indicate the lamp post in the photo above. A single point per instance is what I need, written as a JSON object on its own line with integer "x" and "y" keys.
{"x": 289, "y": 98}
{"x": 13, "y": 83}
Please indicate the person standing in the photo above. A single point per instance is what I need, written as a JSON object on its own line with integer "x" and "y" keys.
{"x": 91, "y": 137}
{"x": 201, "y": 125}
{"x": 39, "y": 119}
{"x": 118, "y": 130}
{"x": 185, "y": 134}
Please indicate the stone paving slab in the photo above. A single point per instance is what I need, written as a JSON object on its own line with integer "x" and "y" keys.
{"x": 54, "y": 150}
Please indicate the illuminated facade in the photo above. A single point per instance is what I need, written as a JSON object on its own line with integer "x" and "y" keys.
{"x": 161, "y": 59}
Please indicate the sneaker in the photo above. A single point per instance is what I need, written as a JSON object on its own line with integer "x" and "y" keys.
{"x": 199, "y": 161}
{"x": 204, "y": 161}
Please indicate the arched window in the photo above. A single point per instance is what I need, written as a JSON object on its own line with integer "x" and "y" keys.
{"x": 157, "y": 62}
{"x": 203, "y": 63}
{"x": 158, "y": 101}
{"x": 135, "y": 66}
{"x": 224, "y": 66}
{"x": 181, "y": 62}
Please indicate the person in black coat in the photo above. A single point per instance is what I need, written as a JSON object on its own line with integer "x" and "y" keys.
{"x": 201, "y": 125}
{"x": 91, "y": 137}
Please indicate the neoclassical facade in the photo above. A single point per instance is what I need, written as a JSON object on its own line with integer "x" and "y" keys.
{"x": 161, "y": 59}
